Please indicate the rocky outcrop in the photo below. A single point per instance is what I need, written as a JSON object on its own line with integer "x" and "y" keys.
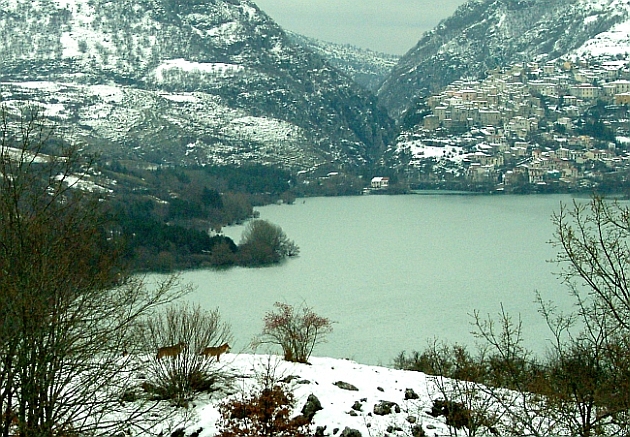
{"x": 350, "y": 432}
{"x": 383, "y": 408}
{"x": 345, "y": 386}
{"x": 312, "y": 406}
{"x": 411, "y": 394}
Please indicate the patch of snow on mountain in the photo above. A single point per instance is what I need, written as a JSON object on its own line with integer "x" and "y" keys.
{"x": 249, "y": 11}
{"x": 79, "y": 36}
{"x": 107, "y": 93}
{"x": 501, "y": 20}
{"x": 54, "y": 110}
{"x": 217, "y": 68}
{"x": 83, "y": 184}
{"x": 12, "y": 4}
{"x": 590, "y": 19}
{"x": 97, "y": 111}
{"x": 50, "y": 87}
{"x": 226, "y": 33}
{"x": 419, "y": 150}
{"x": 179, "y": 98}
{"x": 614, "y": 42}
{"x": 70, "y": 45}
{"x": 262, "y": 128}
{"x": 15, "y": 153}
{"x": 66, "y": 4}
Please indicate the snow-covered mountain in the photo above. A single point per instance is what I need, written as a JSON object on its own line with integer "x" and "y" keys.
{"x": 485, "y": 34}
{"x": 202, "y": 81}
{"x": 367, "y": 67}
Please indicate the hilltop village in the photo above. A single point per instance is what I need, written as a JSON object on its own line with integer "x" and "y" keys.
{"x": 556, "y": 126}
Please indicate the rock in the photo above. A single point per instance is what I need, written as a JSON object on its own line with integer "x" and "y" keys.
{"x": 353, "y": 413}
{"x": 412, "y": 419}
{"x": 345, "y": 386}
{"x": 319, "y": 431}
{"x": 410, "y": 394}
{"x": 312, "y": 406}
{"x": 179, "y": 432}
{"x": 289, "y": 379}
{"x": 357, "y": 406}
{"x": 456, "y": 413}
{"x": 349, "y": 432}
{"x": 392, "y": 428}
{"x": 417, "y": 431}
{"x": 380, "y": 388}
{"x": 384, "y": 408}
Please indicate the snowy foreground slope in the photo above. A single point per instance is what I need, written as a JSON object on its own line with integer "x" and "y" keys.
{"x": 374, "y": 384}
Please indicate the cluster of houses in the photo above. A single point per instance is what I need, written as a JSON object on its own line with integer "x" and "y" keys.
{"x": 520, "y": 124}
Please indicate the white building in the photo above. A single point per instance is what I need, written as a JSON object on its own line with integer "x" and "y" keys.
{"x": 379, "y": 182}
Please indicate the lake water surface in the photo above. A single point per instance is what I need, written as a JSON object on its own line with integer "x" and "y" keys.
{"x": 396, "y": 271}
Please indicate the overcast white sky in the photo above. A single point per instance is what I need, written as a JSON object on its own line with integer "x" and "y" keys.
{"x": 390, "y": 26}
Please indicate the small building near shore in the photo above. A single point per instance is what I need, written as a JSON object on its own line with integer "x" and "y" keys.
{"x": 379, "y": 182}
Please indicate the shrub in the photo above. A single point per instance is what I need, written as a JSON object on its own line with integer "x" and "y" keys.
{"x": 452, "y": 361}
{"x": 266, "y": 413}
{"x": 295, "y": 331}
{"x": 180, "y": 375}
{"x": 263, "y": 412}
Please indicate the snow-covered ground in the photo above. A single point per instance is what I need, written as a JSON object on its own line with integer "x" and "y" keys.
{"x": 613, "y": 42}
{"x": 419, "y": 150}
{"x": 373, "y": 384}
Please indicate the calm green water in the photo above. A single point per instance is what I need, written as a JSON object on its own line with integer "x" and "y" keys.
{"x": 397, "y": 271}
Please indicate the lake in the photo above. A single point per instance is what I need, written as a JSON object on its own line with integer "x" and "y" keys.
{"x": 394, "y": 272}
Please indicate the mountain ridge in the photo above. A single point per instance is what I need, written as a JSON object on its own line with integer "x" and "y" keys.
{"x": 366, "y": 67}
{"x": 174, "y": 66}
{"x": 218, "y": 82}
{"x": 485, "y": 34}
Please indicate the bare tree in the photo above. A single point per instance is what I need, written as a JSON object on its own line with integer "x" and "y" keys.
{"x": 513, "y": 378}
{"x": 593, "y": 249}
{"x": 589, "y": 365}
{"x": 456, "y": 388}
{"x": 583, "y": 386}
{"x": 66, "y": 303}
{"x": 296, "y": 332}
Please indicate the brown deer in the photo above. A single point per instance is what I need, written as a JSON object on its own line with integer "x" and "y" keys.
{"x": 215, "y": 351}
{"x": 171, "y": 351}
